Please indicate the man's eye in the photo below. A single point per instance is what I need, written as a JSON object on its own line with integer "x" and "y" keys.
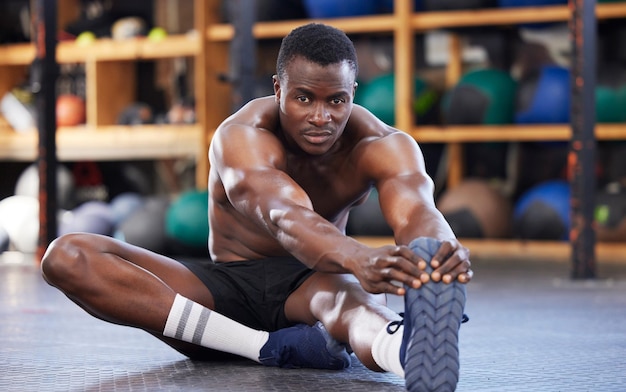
{"x": 302, "y": 99}
{"x": 337, "y": 101}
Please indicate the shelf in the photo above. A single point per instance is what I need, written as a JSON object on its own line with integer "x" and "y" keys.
{"x": 267, "y": 30}
{"x": 387, "y": 23}
{"x": 107, "y": 50}
{"x": 507, "y": 16}
{"x": 510, "y": 133}
{"x": 511, "y": 249}
{"x": 108, "y": 143}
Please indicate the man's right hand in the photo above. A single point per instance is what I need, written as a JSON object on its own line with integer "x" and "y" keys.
{"x": 387, "y": 269}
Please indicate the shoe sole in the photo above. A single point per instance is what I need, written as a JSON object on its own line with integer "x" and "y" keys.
{"x": 431, "y": 361}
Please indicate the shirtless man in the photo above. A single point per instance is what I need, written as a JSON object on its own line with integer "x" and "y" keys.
{"x": 285, "y": 172}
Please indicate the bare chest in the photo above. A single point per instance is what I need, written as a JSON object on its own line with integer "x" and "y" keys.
{"x": 333, "y": 187}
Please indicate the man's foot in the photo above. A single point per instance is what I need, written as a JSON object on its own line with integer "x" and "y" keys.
{"x": 303, "y": 346}
{"x": 432, "y": 317}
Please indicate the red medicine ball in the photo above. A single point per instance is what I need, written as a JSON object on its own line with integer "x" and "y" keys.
{"x": 70, "y": 110}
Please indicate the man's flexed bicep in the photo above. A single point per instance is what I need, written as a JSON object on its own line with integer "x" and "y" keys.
{"x": 251, "y": 164}
{"x": 406, "y": 192}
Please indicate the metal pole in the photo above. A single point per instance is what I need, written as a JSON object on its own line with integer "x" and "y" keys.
{"x": 581, "y": 161}
{"x": 44, "y": 87}
{"x": 243, "y": 52}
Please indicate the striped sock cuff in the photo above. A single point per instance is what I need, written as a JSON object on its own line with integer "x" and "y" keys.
{"x": 186, "y": 321}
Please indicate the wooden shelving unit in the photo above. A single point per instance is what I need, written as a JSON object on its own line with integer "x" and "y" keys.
{"x": 402, "y": 25}
{"x": 108, "y": 143}
{"x": 109, "y": 72}
{"x": 109, "y": 75}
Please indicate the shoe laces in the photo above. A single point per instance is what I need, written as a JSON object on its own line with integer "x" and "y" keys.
{"x": 395, "y": 325}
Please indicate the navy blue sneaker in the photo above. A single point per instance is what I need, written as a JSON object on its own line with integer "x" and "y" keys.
{"x": 432, "y": 316}
{"x": 304, "y": 346}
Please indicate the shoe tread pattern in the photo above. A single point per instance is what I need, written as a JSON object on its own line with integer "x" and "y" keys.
{"x": 432, "y": 354}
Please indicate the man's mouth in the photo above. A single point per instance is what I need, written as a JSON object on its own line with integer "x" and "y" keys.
{"x": 317, "y": 137}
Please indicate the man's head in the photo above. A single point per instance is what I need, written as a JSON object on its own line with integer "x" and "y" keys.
{"x": 315, "y": 87}
{"x": 318, "y": 43}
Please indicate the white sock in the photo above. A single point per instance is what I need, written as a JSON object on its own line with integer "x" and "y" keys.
{"x": 386, "y": 351}
{"x": 193, "y": 323}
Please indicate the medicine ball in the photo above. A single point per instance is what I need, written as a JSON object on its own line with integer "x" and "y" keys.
{"x": 129, "y": 27}
{"x": 70, "y": 110}
{"x": 367, "y": 219}
{"x": 124, "y": 205}
{"x": 476, "y": 209}
{"x": 443, "y": 5}
{"x": 610, "y": 213}
{"x": 90, "y": 217}
{"x": 484, "y": 96}
{"x": 543, "y": 212}
{"x": 610, "y": 93}
{"x": 544, "y": 97}
{"x": 28, "y": 185}
{"x": 318, "y": 9}
{"x": 19, "y": 217}
{"x": 187, "y": 219}
{"x": 378, "y": 96}
{"x": 145, "y": 226}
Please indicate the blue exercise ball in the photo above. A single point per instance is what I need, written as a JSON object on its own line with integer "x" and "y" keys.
{"x": 124, "y": 205}
{"x": 318, "y": 9}
{"x": 145, "y": 226}
{"x": 543, "y": 212}
{"x": 445, "y": 5}
{"x": 544, "y": 97}
{"x": 92, "y": 216}
{"x": 529, "y": 3}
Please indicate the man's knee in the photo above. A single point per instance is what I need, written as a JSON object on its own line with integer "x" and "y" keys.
{"x": 65, "y": 258}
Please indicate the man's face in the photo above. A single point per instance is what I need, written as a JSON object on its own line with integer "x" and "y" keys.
{"x": 315, "y": 103}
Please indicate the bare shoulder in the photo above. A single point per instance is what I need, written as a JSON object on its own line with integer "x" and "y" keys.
{"x": 372, "y": 132}
{"x": 248, "y": 137}
{"x": 259, "y": 113}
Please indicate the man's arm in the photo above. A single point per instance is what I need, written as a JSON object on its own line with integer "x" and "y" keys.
{"x": 406, "y": 195}
{"x": 251, "y": 165}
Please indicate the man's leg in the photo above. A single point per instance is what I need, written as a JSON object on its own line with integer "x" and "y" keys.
{"x": 433, "y": 314}
{"x": 127, "y": 285}
{"x": 432, "y": 317}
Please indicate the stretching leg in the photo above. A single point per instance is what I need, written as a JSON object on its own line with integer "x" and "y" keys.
{"x": 349, "y": 313}
{"x": 131, "y": 286}
{"x": 123, "y": 284}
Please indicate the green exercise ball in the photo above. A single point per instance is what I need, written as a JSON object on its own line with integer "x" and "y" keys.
{"x": 378, "y": 96}
{"x": 187, "y": 219}
{"x": 610, "y": 93}
{"x": 483, "y": 96}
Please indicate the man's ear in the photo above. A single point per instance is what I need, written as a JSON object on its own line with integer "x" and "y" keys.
{"x": 276, "y": 84}
{"x": 356, "y": 84}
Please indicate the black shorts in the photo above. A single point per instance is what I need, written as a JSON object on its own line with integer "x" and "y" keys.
{"x": 252, "y": 292}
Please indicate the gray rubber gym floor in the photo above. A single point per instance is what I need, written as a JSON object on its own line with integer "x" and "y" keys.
{"x": 531, "y": 329}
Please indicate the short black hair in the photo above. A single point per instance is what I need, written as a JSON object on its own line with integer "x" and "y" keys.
{"x": 319, "y": 43}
